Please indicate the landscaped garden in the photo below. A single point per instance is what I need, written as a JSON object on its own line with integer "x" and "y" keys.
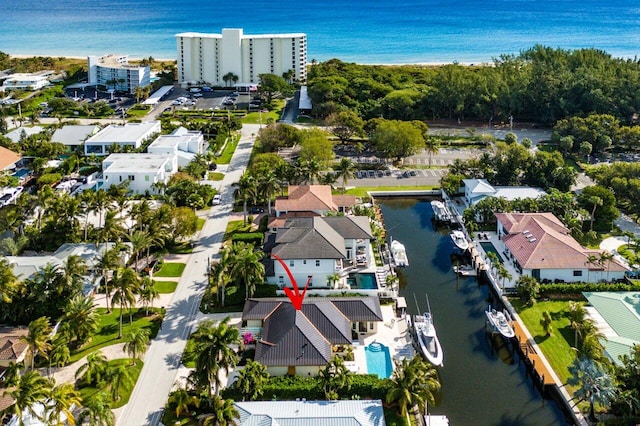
{"x": 170, "y": 270}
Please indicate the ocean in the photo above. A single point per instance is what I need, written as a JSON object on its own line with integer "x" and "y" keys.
{"x": 372, "y": 31}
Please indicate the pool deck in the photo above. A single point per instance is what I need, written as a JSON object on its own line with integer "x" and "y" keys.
{"x": 392, "y": 332}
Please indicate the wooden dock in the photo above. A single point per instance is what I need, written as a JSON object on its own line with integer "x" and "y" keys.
{"x": 532, "y": 357}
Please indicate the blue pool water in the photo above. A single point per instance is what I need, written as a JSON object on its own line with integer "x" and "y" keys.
{"x": 366, "y": 281}
{"x": 20, "y": 173}
{"x": 378, "y": 360}
{"x": 490, "y": 248}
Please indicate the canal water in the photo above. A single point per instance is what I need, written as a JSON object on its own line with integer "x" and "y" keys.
{"x": 480, "y": 386}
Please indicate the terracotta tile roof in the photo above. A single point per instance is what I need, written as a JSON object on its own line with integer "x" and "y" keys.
{"x": 11, "y": 347}
{"x": 312, "y": 198}
{"x": 7, "y": 158}
{"x": 541, "y": 241}
{"x": 5, "y": 401}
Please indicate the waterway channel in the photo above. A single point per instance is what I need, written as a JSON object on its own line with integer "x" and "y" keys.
{"x": 479, "y": 386}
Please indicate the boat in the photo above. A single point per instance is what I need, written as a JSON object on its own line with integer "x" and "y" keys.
{"x": 427, "y": 338}
{"x": 459, "y": 240}
{"x": 465, "y": 270}
{"x": 399, "y": 254}
{"x": 500, "y": 322}
{"x": 440, "y": 210}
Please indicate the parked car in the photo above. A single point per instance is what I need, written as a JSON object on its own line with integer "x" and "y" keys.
{"x": 216, "y": 200}
{"x": 206, "y": 89}
{"x": 195, "y": 90}
{"x": 256, "y": 210}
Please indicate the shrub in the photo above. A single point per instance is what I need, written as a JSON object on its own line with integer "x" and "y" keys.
{"x": 49, "y": 179}
{"x": 548, "y": 290}
{"x": 254, "y": 238}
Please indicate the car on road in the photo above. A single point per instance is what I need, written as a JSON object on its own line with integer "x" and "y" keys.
{"x": 216, "y": 200}
{"x": 207, "y": 89}
{"x": 195, "y": 90}
{"x": 256, "y": 210}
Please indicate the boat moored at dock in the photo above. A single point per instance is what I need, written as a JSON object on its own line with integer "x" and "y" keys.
{"x": 459, "y": 240}
{"x": 500, "y": 322}
{"x": 399, "y": 254}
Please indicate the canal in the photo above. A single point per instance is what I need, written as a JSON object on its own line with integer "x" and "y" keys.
{"x": 479, "y": 385}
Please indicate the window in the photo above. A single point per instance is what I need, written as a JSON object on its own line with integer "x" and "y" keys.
{"x": 371, "y": 326}
{"x": 310, "y": 279}
{"x": 577, "y": 273}
{"x": 280, "y": 279}
{"x": 317, "y": 263}
{"x": 131, "y": 178}
{"x": 304, "y": 262}
{"x": 146, "y": 178}
{"x": 292, "y": 263}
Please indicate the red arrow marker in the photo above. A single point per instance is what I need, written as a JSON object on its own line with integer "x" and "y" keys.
{"x": 296, "y": 298}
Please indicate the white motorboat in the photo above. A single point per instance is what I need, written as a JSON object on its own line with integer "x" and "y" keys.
{"x": 399, "y": 254}
{"x": 500, "y": 323}
{"x": 465, "y": 270}
{"x": 427, "y": 338}
{"x": 440, "y": 210}
{"x": 459, "y": 240}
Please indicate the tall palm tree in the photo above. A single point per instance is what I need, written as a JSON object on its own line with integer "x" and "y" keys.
{"x": 97, "y": 411}
{"x": 61, "y": 400}
{"x": 30, "y": 389}
{"x": 12, "y": 374}
{"x": 59, "y": 354}
{"x": 8, "y": 281}
{"x": 576, "y": 315}
{"x": 107, "y": 262}
{"x": 82, "y": 319}
{"x": 38, "y": 338}
{"x": 115, "y": 378}
{"x": 606, "y": 257}
{"x": 251, "y": 380}
{"x": 74, "y": 270}
{"x": 86, "y": 202}
{"x": 247, "y": 192}
{"x": 268, "y": 187}
{"x": 345, "y": 170}
{"x": 503, "y": 274}
{"x": 93, "y": 371}
{"x": 148, "y": 293}
{"x": 140, "y": 241}
{"x": 112, "y": 229}
{"x": 592, "y": 346}
{"x": 137, "y": 341}
{"x": 591, "y": 260}
{"x": 141, "y": 212}
{"x": 100, "y": 202}
{"x": 247, "y": 268}
{"x": 432, "y": 146}
{"x": 597, "y": 201}
{"x": 310, "y": 169}
{"x": 413, "y": 382}
{"x": 593, "y": 384}
{"x": 213, "y": 351}
{"x": 220, "y": 275}
{"x": 224, "y": 413}
{"x": 125, "y": 283}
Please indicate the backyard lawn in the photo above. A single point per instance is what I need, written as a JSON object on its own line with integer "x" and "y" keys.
{"x": 125, "y": 390}
{"x": 165, "y": 287}
{"x": 557, "y": 348}
{"x": 107, "y": 333}
{"x": 170, "y": 269}
{"x": 361, "y": 191}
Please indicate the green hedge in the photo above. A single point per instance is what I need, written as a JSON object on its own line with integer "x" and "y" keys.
{"x": 254, "y": 238}
{"x": 578, "y": 288}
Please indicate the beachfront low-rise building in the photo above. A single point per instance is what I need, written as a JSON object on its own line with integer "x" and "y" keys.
{"x": 115, "y": 72}
{"x": 214, "y": 58}
{"x": 142, "y": 171}
{"x": 73, "y": 136}
{"x": 184, "y": 143}
{"x": 26, "y": 81}
{"x": 129, "y": 134}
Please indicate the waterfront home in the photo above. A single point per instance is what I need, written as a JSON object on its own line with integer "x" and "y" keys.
{"x": 312, "y": 413}
{"x": 479, "y": 189}
{"x": 540, "y": 245}
{"x": 301, "y": 342}
{"x": 318, "y": 248}
{"x": 115, "y": 72}
{"x": 313, "y": 199}
{"x": 142, "y": 171}
{"x": 26, "y": 81}
{"x": 73, "y": 136}
{"x": 185, "y": 144}
{"x": 130, "y": 134}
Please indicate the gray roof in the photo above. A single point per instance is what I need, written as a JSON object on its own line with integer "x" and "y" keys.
{"x": 365, "y": 310}
{"x": 311, "y": 413}
{"x": 15, "y": 135}
{"x": 73, "y": 135}
{"x": 307, "y": 238}
{"x": 352, "y": 227}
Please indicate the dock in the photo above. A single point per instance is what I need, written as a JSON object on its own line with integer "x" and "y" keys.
{"x": 530, "y": 355}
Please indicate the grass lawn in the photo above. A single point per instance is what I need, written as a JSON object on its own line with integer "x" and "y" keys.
{"x": 107, "y": 333}
{"x": 171, "y": 269}
{"x": 181, "y": 248}
{"x": 557, "y": 347}
{"x": 234, "y": 227}
{"x": 273, "y": 115}
{"x": 165, "y": 287}
{"x": 361, "y": 191}
{"x": 125, "y": 391}
{"x": 229, "y": 149}
{"x": 200, "y": 223}
{"x": 216, "y": 176}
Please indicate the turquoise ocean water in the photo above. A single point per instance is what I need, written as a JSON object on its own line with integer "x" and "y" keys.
{"x": 373, "y": 31}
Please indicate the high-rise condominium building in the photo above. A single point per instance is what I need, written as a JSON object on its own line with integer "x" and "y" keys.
{"x": 232, "y": 57}
{"x": 114, "y": 72}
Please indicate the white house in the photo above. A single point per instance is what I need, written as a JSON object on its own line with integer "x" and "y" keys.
{"x": 541, "y": 246}
{"x": 479, "y": 189}
{"x": 17, "y": 134}
{"x": 73, "y": 136}
{"x": 186, "y": 144}
{"x": 26, "y": 81}
{"x": 114, "y": 71}
{"x": 207, "y": 58}
{"x": 141, "y": 170}
{"x": 130, "y": 134}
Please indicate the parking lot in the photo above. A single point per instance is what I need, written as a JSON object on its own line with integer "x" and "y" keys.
{"x": 196, "y": 98}
{"x": 398, "y": 177}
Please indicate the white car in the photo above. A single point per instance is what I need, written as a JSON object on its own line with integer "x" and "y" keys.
{"x": 216, "y": 199}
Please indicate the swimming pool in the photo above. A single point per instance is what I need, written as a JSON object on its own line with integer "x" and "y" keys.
{"x": 365, "y": 281}
{"x": 378, "y": 360}
{"x": 488, "y": 247}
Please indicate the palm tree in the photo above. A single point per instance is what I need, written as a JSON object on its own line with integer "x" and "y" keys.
{"x": 335, "y": 377}
{"x": 82, "y": 319}
{"x": 8, "y": 281}
{"x": 220, "y": 275}
{"x": 148, "y": 293}
{"x": 117, "y": 376}
{"x": 140, "y": 241}
{"x": 137, "y": 341}
{"x": 100, "y": 202}
{"x": 247, "y": 268}
{"x": 112, "y": 228}
{"x": 413, "y": 382}
{"x": 107, "y": 262}
{"x": 591, "y": 260}
{"x": 183, "y": 401}
{"x": 97, "y": 411}
{"x": 576, "y": 316}
{"x": 125, "y": 283}
{"x": 592, "y": 346}
{"x": 141, "y": 212}
{"x": 93, "y": 371}
{"x": 593, "y": 384}
{"x": 30, "y": 389}
{"x": 606, "y": 257}
{"x": 59, "y": 354}
{"x": 345, "y": 170}
{"x": 74, "y": 270}
{"x": 61, "y": 399}
{"x": 310, "y": 169}
{"x": 229, "y": 77}
{"x": 213, "y": 351}
{"x": 503, "y": 274}
{"x": 432, "y": 147}
{"x": 251, "y": 380}
{"x": 12, "y": 374}
{"x": 86, "y": 203}
{"x": 597, "y": 201}
{"x": 268, "y": 187}
{"x": 247, "y": 191}
{"x": 224, "y": 413}
{"x": 38, "y": 338}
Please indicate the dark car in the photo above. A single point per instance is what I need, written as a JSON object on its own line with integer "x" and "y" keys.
{"x": 256, "y": 210}
{"x": 212, "y": 166}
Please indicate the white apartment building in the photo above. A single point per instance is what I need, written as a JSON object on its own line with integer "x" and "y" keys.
{"x": 130, "y": 134}
{"x": 141, "y": 170}
{"x": 184, "y": 143}
{"x": 114, "y": 72}
{"x": 26, "y": 81}
{"x": 207, "y": 58}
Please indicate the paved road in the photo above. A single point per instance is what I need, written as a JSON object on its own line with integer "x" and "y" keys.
{"x": 162, "y": 360}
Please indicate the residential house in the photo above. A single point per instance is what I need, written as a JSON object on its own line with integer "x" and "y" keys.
{"x": 314, "y": 199}
{"x": 16, "y": 135}
{"x": 130, "y": 134}
{"x": 8, "y": 160}
{"x": 311, "y": 413}
{"x": 186, "y": 144}
{"x": 142, "y": 171}
{"x": 73, "y": 136}
{"x": 26, "y": 81}
{"x": 12, "y": 347}
{"x": 541, "y": 246}
{"x": 301, "y": 342}
{"x": 479, "y": 189}
{"x": 317, "y": 248}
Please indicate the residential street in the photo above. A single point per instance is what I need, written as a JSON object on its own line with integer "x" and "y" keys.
{"x": 162, "y": 360}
